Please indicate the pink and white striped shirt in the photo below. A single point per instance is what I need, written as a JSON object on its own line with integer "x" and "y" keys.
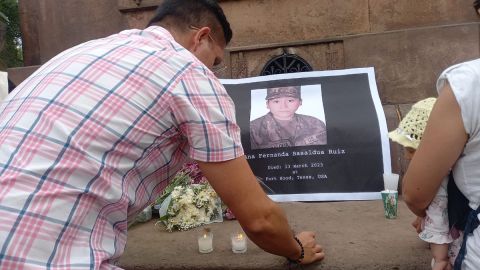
{"x": 95, "y": 135}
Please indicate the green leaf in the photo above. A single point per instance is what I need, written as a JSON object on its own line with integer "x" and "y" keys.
{"x": 164, "y": 218}
{"x": 180, "y": 179}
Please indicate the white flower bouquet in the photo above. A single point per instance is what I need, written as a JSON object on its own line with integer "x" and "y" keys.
{"x": 189, "y": 201}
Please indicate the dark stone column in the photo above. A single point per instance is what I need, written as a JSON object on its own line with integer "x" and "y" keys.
{"x": 29, "y": 21}
{"x": 3, "y": 30}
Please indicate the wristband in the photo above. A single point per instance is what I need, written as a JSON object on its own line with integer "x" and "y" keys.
{"x": 302, "y": 253}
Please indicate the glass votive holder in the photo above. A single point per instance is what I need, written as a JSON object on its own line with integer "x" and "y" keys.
{"x": 205, "y": 241}
{"x": 390, "y": 181}
{"x": 239, "y": 242}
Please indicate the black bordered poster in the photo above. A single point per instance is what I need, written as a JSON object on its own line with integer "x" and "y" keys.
{"x": 336, "y": 148}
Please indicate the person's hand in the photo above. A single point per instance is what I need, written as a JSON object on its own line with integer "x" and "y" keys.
{"x": 312, "y": 251}
{"x": 417, "y": 224}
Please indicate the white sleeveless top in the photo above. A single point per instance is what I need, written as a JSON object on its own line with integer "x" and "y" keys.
{"x": 464, "y": 80}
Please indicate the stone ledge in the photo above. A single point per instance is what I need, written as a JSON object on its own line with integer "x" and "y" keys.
{"x": 355, "y": 235}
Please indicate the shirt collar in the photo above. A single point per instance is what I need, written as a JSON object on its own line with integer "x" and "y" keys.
{"x": 158, "y": 32}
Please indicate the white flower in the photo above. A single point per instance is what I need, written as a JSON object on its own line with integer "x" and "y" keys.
{"x": 192, "y": 206}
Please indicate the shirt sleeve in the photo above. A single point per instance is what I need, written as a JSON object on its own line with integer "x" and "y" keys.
{"x": 205, "y": 114}
{"x": 464, "y": 79}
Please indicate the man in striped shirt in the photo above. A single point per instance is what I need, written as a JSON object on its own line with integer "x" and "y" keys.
{"x": 96, "y": 133}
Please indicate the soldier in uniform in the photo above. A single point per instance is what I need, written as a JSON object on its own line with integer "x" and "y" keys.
{"x": 282, "y": 127}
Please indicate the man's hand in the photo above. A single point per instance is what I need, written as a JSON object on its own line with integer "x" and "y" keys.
{"x": 417, "y": 224}
{"x": 312, "y": 251}
{"x": 262, "y": 220}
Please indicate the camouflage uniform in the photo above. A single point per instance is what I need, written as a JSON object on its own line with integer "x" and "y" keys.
{"x": 268, "y": 132}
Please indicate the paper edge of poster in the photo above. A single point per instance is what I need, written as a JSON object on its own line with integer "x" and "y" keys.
{"x": 382, "y": 121}
{"x": 353, "y": 196}
{"x": 299, "y": 75}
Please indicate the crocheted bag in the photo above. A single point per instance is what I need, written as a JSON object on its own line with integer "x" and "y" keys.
{"x": 411, "y": 128}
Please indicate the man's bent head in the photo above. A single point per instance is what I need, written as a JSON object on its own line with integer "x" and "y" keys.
{"x": 198, "y": 25}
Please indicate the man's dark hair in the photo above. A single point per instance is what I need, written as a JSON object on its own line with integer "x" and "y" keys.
{"x": 476, "y": 5}
{"x": 196, "y": 13}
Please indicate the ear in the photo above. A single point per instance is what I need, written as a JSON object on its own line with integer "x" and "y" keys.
{"x": 199, "y": 37}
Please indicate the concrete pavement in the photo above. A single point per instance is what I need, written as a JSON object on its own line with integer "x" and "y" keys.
{"x": 355, "y": 235}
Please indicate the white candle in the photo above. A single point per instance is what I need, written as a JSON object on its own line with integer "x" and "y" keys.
{"x": 205, "y": 243}
{"x": 239, "y": 243}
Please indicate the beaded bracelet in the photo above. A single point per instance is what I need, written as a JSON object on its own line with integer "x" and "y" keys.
{"x": 302, "y": 253}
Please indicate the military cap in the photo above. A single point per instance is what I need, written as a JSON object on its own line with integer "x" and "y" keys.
{"x": 288, "y": 91}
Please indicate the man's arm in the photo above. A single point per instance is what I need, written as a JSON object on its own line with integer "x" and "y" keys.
{"x": 441, "y": 145}
{"x": 262, "y": 220}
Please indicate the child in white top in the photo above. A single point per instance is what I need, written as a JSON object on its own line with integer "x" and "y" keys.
{"x": 435, "y": 228}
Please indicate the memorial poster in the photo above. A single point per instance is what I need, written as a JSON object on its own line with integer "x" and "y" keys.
{"x": 314, "y": 136}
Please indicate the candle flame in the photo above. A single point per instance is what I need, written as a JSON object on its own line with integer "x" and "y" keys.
{"x": 205, "y": 235}
{"x": 240, "y": 236}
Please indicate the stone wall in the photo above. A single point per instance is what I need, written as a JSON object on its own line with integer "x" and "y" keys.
{"x": 51, "y": 26}
{"x": 408, "y": 42}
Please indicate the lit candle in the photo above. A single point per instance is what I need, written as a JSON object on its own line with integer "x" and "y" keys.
{"x": 205, "y": 243}
{"x": 239, "y": 243}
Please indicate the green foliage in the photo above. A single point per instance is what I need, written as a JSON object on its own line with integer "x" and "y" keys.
{"x": 3, "y": 18}
{"x": 11, "y": 54}
{"x": 181, "y": 179}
